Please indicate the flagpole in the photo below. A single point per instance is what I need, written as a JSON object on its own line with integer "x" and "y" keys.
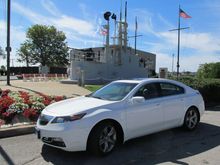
{"x": 178, "y": 49}
{"x": 184, "y": 15}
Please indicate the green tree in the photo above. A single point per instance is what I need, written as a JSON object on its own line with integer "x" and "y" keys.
{"x": 209, "y": 70}
{"x": 24, "y": 53}
{"x": 45, "y": 45}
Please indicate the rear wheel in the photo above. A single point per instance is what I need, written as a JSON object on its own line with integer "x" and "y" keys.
{"x": 191, "y": 119}
{"x": 103, "y": 139}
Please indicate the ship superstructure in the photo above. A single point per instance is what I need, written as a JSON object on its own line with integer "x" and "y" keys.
{"x": 111, "y": 62}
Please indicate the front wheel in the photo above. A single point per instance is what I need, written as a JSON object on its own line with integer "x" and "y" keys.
{"x": 191, "y": 119}
{"x": 103, "y": 139}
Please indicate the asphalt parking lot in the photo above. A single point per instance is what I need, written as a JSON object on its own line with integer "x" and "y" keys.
{"x": 175, "y": 146}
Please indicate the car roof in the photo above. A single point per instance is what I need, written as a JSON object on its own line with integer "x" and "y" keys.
{"x": 141, "y": 80}
{"x": 146, "y": 80}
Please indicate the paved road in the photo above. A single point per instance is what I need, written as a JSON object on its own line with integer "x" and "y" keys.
{"x": 175, "y": 146}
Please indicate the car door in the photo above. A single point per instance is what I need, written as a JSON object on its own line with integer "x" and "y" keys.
{"x": 145, "y": 117}
{"x": 172, "y": 103}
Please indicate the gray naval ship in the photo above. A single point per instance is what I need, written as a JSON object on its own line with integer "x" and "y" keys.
{"x": 111, "y": 62}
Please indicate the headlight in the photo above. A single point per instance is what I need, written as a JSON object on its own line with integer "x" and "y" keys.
{"x": 63, "y": 119}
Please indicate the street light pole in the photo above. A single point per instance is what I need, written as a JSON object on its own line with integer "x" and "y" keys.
{"x": 8, "y": 47}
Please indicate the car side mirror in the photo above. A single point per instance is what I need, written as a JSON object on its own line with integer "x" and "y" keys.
{"x": 137, "y": 99}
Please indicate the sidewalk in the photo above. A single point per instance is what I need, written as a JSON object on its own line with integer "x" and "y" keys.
{"x": 49, "y": 88}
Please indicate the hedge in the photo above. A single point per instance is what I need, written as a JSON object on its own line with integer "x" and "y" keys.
{"x": 209, "y": 88}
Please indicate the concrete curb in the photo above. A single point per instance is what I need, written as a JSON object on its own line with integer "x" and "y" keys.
{"x": 16, "y": 131}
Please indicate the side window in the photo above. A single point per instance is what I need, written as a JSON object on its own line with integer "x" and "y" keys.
{"x": 148, "y": 91}
{"x": 168, "y": 89}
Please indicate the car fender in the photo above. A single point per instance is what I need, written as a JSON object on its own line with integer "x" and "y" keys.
{"x": 105, "y": 114}
{"x": 194, "y": 100}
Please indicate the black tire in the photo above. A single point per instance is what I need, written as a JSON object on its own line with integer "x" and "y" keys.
{"x": 98, "y": 139}
{"x": 191, "y": 119}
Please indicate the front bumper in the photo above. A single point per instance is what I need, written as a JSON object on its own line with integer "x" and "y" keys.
{"x": 70, "y": 136}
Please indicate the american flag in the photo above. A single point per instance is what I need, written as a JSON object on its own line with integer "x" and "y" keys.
{"x": 103, "y": 31}
{"x": 184, "y": 15}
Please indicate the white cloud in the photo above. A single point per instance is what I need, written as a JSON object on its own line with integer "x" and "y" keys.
{"x": 50, "y": 7}
{"x": 17, "y": 34}
{"x": 32, "y": 16}
{"x": 203, "y": 42}
{"x": 196, "y": 48}
{"x": 17, "y": 37}
{"x": 144, "y": 19}
{"x": 187, "y": 63}
{"x": 77, "y": 25}
{"x": 84, "y": 10}
{"x": 65, "y": 23}
{"x": 165, "y": 21}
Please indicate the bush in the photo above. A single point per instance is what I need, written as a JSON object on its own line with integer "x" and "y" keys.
{"x": 209, "y": 88}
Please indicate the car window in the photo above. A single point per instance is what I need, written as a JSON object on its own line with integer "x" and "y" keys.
{"x": 114, "y": 92}
{"x": 168, "y": 89}
{"x": 148, "y": 91}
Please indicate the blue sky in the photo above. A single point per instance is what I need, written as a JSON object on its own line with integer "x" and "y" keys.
{"x": 81, "y": 20}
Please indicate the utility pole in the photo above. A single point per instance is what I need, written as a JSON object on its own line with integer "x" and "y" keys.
{"x": 8, "y": 47}
{"x": 172, "y": 62}
{"x": 178, "y": 48}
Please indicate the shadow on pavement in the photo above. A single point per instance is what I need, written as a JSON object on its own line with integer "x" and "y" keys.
{"x": 166, "y": 146}
{"x": 6, "y": 157}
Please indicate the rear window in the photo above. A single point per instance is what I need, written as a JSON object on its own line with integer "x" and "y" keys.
{"x": 168, "y": 89}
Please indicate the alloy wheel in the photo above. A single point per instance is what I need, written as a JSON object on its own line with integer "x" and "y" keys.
{"x": 107, "y": 139}
{"x": 192, "y": 119}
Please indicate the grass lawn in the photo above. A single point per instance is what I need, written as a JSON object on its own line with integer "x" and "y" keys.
{"x": 93, "y": 88}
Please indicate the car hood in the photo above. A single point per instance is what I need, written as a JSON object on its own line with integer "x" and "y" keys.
{"x": 74, "y": 106}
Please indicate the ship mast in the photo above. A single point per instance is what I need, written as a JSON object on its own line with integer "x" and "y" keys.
{"x": 122, "y": 37}
{"x": 107, "y": 27}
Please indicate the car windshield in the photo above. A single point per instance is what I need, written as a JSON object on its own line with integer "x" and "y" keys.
{"x": 114, "y": 92}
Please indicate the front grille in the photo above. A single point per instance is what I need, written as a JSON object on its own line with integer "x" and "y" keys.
{"x": 44, "y": 119}
{"x": 52, "y": 141}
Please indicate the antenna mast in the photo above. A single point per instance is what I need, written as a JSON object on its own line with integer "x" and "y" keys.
{"x": 125, "y": 27}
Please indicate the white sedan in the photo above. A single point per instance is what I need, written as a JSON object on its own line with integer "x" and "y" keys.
{"x": 119, "y": 111}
